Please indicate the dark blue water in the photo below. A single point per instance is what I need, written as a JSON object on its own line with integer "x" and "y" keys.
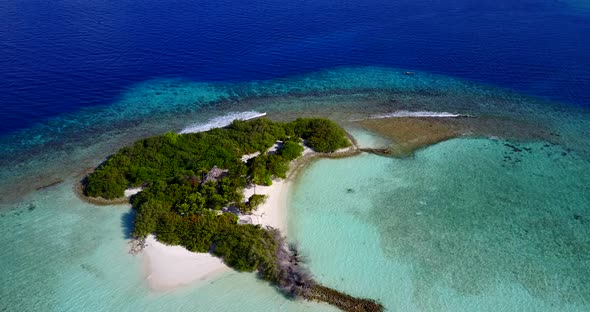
{"x": 58, "y": 56}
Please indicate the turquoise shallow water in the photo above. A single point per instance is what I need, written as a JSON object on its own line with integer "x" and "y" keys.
{"x": 457, "y": 227}
{"x": 465, "y": 225}
{"x": 61, "y": 254}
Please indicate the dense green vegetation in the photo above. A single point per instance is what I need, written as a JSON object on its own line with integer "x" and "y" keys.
{"x": 188, "y": 179}
{"x": 185, "y": 191}
{"x": 290, "y": 150}
{"x": 253, "y": 202}
{"x": 171, "y": 155}
{"x": 322, "y": 135}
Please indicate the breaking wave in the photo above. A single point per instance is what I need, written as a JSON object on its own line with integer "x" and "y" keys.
{"x": 221, "y": 121}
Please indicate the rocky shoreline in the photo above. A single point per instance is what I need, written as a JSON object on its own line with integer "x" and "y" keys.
{"x": 343, "y": 301}
{"x": 294, "y": 280}
{"x": 136, "y": 245}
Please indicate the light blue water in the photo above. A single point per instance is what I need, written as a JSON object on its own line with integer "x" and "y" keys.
{"x": 69, "y": 253}
{"x": 61, "y": 254}
{"x": 458, "y": 227}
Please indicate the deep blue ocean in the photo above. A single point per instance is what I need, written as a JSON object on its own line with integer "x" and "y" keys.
{"x": 59, "y": 56}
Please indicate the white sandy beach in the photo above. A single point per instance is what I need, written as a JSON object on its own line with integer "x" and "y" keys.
{"x": 169, "y": 267}
{"x": 273, "y": 212}
{"x": 132, "y": 191}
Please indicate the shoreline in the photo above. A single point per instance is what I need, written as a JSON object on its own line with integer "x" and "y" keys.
{"x": 309, "y": 155}
{"x": 170, "y": 267}
{"x": 273, "y": 212}
{"x": 409, "y": 134}
{"x": 79, "y": 191}
{"x": 167, "y": 268}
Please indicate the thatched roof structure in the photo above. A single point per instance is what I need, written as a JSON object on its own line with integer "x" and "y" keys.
{"x": 215, "y": 174}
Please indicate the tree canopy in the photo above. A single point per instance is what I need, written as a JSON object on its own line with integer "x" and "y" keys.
{"x": 194, "y": 154}
{"x": 184, "y": 188}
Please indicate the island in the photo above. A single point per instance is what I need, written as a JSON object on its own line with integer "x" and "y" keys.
{"x": 192, "y": 195}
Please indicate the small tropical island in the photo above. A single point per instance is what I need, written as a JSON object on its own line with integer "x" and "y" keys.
{"x": 192, "y": 193}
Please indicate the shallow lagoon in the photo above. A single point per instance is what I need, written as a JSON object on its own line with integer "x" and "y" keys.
{"x": 465, "y": 225}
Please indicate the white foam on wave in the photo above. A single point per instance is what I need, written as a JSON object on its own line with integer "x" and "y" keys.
{"x": 221, "y": 121}
{"x": 419, "y": 114}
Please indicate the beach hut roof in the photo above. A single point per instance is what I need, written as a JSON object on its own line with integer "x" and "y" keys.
{"x": 214, "y": 174}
